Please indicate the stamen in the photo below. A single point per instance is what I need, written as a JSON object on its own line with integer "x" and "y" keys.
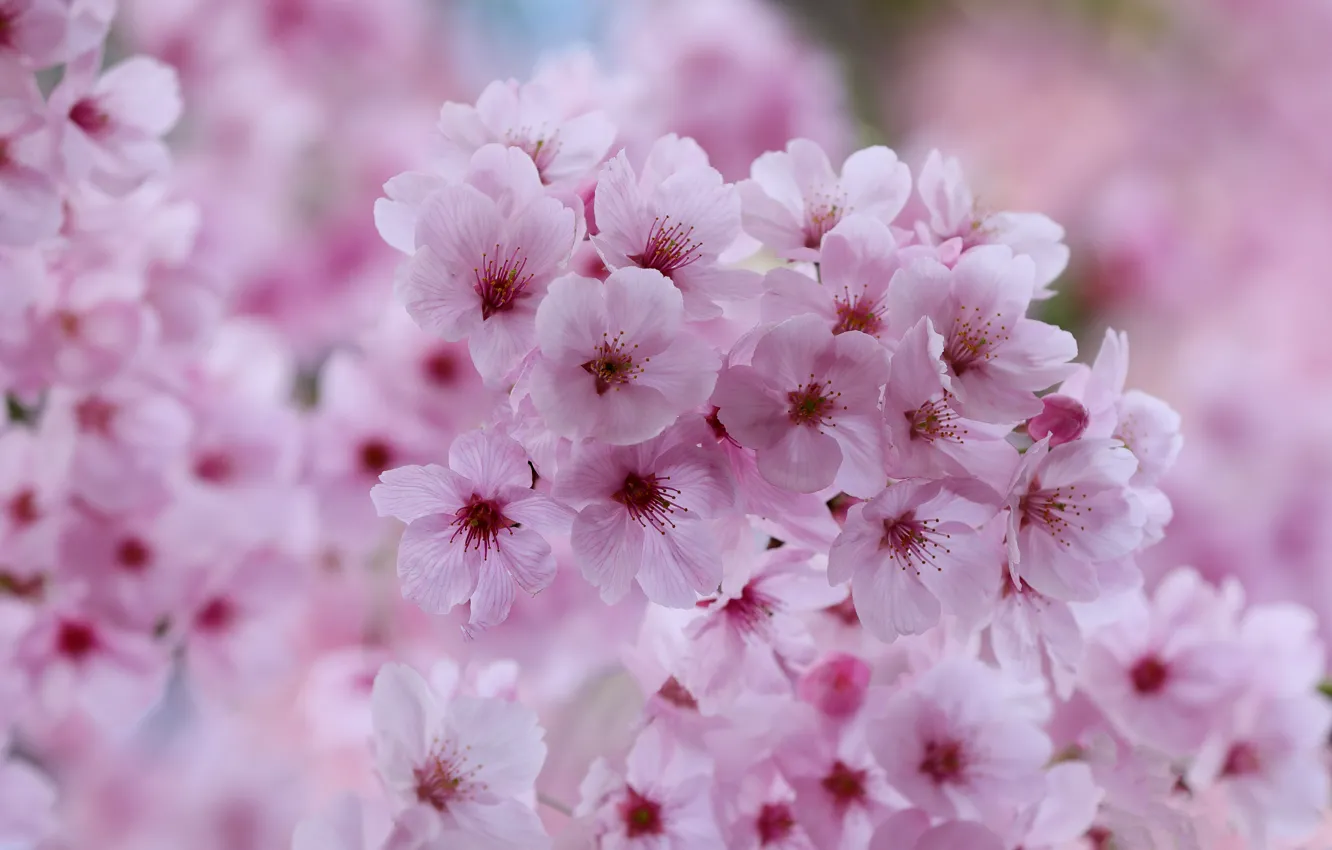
{"x": 500, "y": 282}
{"x": 943, "y": 761}
{"x": 812, "y": 403}
{"x": 858, "y": 313}
{"x": 614, "y": 363}
{"x": 480, "y": 521}
{"x": 649, "y": 500}
{"x": 934, "y": 420}
{"x": 971, "y": 340}
{"x": 669, "y": 247}
{"x": 913, "y": 542}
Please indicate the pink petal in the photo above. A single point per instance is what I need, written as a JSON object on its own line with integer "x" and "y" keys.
{"x": 30, "y": 207}
{"x": 459, "y": 224}
{"x": 608, "y": 546}
{"x": 645, "y": 306}
{"x": 804, "y": 460}
{"x": 436, "y": 573}
{"x": 527, "y": 557}
{"x": 489, "y": 460}
{"x": 436, "y": 300}
{"x": 751, "y": 410}
{"x": 501, "y": 343}
{"x": 680, "y": 564}
{"x": 143, "y": 93}
{"x": 571, "y": 321}
{"x": 493, "y": 596}
{"x": 412, "y": 492}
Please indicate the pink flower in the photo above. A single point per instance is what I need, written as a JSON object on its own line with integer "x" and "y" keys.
{"x": 474, "y": 530}
{"x": 808, "y": 404}
{"x": 1063, "y": 420}
{"x": 763, "y": 814}
{"x": 1027, "y": 628}
{"x": 837, "y": 685}
{"x": 486, "y": 249}
{"x": 663, "y": 801}
{"x": 958, "y": 737}
{"x": 563, "y": 147}
{"x": 911, "y": 830}
{"x": 643, "y": 515}
{"x": 112, "y": 126}
{"x": 953, "y": 215}
{"x": 616, "y": 363}
{"x": 468, "y": 763}
{"x": 752, "y": 634}
{"x": 27, "y": 804}
{"x": 859, "y": 257}
{"x": 1164, "y": 672}
{"x": 911, "y": 553}
{"x": 30, "y": 207}
{"x": 997, "y": 358}
{"x": 927, "y": 437}
{"x": 794, "y": 197}
{"x": 676, "y": 217}
{"x": 1070, "y": 511}
{"x": 33, "y": 31}
{"x": 840, "y": 792}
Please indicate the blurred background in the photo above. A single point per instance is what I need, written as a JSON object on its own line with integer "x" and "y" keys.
{"x": 1183, "y": 144}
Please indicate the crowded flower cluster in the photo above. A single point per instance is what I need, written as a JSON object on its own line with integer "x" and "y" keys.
{"x": 662, "y": 507}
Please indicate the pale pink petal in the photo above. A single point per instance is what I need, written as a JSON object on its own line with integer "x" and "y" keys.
{"x": 645, "y": 306}
{"x": 437, "y": 301}
{"x": 436, "y": 572}
{"x": 679, "y": 564}
{"x": 30, "y": 206}
{"x": 751, "y": 411}
{"x": 493, "y": 596}
{"x": 489, "y": 460}
{"x": 527, "y": 557}
{"x": 412, "y": 492}
{"x": 459, "y": 224}
{"x": 142, "y": 92}
{"x": 609, "y": 548}
{"x": 499, "y": 345}
{"x": 804, "y": 460}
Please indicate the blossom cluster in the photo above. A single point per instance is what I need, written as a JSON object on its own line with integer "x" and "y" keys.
{"x": 823, "y": 539}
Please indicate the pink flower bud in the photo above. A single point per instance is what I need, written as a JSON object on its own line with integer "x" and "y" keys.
{"x": 1063, "y": 419}
{"x": 836, "y": 686}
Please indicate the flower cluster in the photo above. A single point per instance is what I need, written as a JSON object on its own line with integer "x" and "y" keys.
{"x": 824, "y": 540}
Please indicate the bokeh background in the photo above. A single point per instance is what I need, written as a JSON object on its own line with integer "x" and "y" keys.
{"x": 1185, "y": 145}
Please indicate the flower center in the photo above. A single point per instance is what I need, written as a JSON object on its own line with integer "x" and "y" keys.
{"x": 440, "y": 368}
{"x": 844, "y": 784}
{"x": 775, "y": 822}
{"x": 614, "y": 363}
{"x": 542, "y": 146}
{"x": 89, "y": 117}
{"x": 811, "y": 403}
{"x": 500, "y": 282}
{"x": 215, "y": 468}
{"x": 971, "y": 340}
{"x": 1149, "y": 675}
{"x": 942, "y": 761}
{"x": 822, "y": 213}
{"x": 1055, "y": 510}
{"x": 133, "y": 554}
{"x": 75, "y": 640}
{"x": 677, "y": 694}
{"x": 641, "y": 816}
{"x": 23, "y": 508}
{"x": 934, "y": 420}
{"x": 751, "y": 610}
{"x": 443, "y": 778}
{"x": 649, "y": 500}
{"x": 94, "y": 415}
{"x": 860, "y": 314}
{"x": 375, "y": 456}
{"x": 480, "y": 522}
{"x": 216, "y": 615}
{"x": 669, "y": 247}
{"x": 1241, "y": 760}
{"x": 912, "y": 541}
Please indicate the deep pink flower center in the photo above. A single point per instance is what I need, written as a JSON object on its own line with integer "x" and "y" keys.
{"x": 440, "y": 368}
{"x": 614, "y": 363}
{"x": 21, "y": 587}
{"x": 1057, "y": 512}
{"x": 641, "y": 816}
{"x": 480, "y": 523}
{"x": 677, "y": 694}
{"x": 1241, "y": 760}
{"x": 216, "y": 615}
{"x": 133, "y": 555}
{"x": 444, "y": 778}
{"x": 500, "y": 282}
{"x": 4, "y": 143}
{"x": 375, "y": 456}
{"x": 822, "y": 213}
{"x": 751, "y": 610}
{"x": 88, "y": 116}
{"x": 913, "y": 542}
{"x": 1100, "y": 838}
{"x": 1149, "y": 675}
{"x": 860, "y": 314}
{"x": 94, "y": 415}
{"x": 215, "y": 467}
{"x": 971, "y": 340}
{"x": 670, "y": 246}
{"x": 812, "y": 403}
{"x": 942, "y": 761}
{"x": 774, "y": 823}
{"x": 935, "y": 420}
{"x": 844, "y": 784}
{"x": 23, "y": 508}
{"x": 75, "y": 640}
{"x": 649, "y": 500}
{"x": 718, "y": 429}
